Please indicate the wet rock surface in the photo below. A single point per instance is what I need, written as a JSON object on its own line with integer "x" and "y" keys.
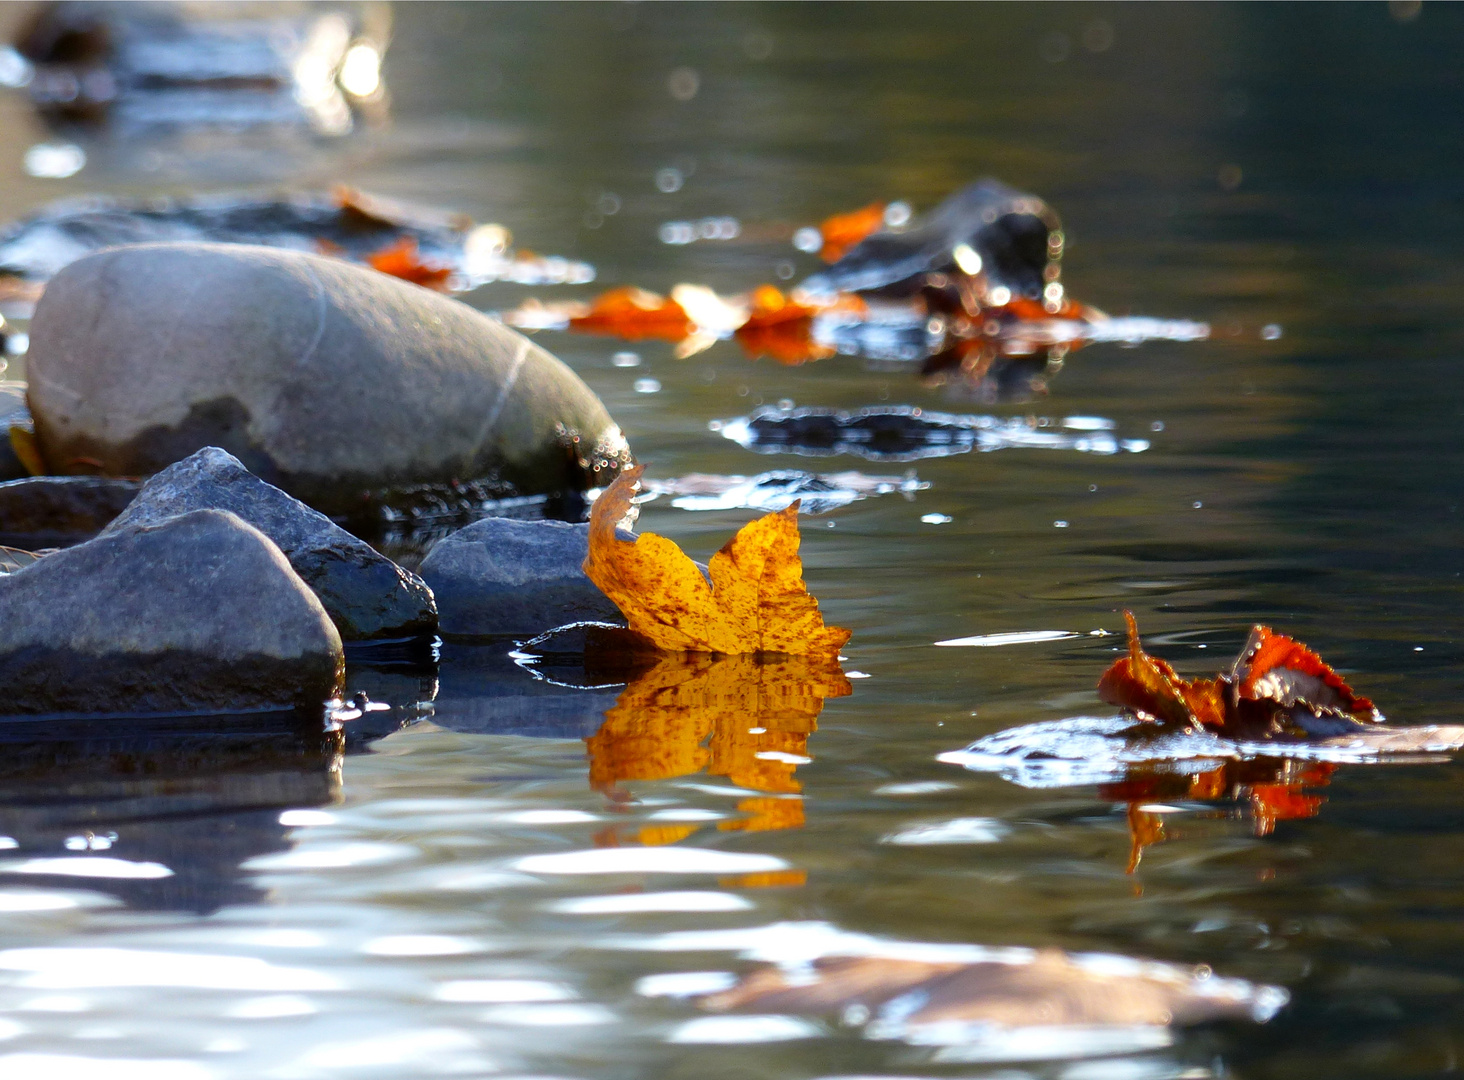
{"x": 40, "y": 511}
{"x": 199, "y": 614}
{"x": 365, "y": 594}
{"x": 501, "y": 576}
{"x": 1014, "y": 238}
{"x": 325, "y": 379}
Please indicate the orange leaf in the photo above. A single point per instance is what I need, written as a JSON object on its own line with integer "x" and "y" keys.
{"x": 843, "y": 231}
{"x": 1145, "y": 684}
{"x": 1273, "y": 667}
{"x": 756, "y": 601}
{"x": 400, "y": 260}
{"x": 634, "y": 314}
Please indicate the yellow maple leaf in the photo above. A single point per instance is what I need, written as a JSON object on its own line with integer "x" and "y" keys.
{"x": 756, "y": 601}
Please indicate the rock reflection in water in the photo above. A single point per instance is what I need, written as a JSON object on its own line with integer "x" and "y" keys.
{"x": 159, "y": 818}
{"x": 909, "y": 433}
{"x": 434, "y": 248}
{"x": 237, "y": 65}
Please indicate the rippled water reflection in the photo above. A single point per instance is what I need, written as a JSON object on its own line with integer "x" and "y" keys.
{"x": 449, "y": 888}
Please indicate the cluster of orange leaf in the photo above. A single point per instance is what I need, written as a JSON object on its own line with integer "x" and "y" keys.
{"x": 1276, "y": 686}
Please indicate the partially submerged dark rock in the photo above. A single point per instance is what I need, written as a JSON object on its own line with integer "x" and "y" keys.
{"x": 13, "y": 410}
{"x": 365, "y": 594}
{"x": 1012, "y": 239}
{"x": 44, "y": 510}
{"x": 201, "y": 613}
{"x": 235, "y": 65}
{"x": 440, "y": 249}
{"x": 908, "y": 433}
{"x": 325, "y": 379}
{"x": 500, "y": 576}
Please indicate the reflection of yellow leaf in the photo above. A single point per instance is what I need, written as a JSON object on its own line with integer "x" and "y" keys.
{"x": 755, "y": 602}
{"x": 660, "y": 835}
{"x": 739, "y": 706}
{"x": 768, "y": 879}
{"x": 767, "y": 815}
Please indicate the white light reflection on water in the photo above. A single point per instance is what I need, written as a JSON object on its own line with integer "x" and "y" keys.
{"x": 88, "y": 968}
{"x": 88, "y": 867}
{"x": 633, "y": 903}
{"x": 420, "y": 945}
{"x": 548, "y": 1015}
{"x": 503, "y": 991}
{"x": 76, "y": 1067}
{"x": 956, "y": 831}
{"x": 650, "y": 860}
{"x": 744, "y": 1029}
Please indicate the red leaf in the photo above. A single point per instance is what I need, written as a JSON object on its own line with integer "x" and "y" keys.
{"x": 400, "y": 260}
{"x": 843, "y": 231}
{"x": 1273, "y": 667}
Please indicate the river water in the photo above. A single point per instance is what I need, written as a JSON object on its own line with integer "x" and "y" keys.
{"x": 466, "y": 897}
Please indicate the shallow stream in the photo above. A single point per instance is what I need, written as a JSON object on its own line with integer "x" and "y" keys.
{"x": 457, "y": 898}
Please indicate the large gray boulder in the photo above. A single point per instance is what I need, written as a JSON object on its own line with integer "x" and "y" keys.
{"x": 325, "y": 379}
{"x": 501, "y": 576}
{"x": 200, "y": 614}
{"x": 365, "y": 594}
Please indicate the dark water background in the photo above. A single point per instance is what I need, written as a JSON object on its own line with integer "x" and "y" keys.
{"x": 1312, "y": 482}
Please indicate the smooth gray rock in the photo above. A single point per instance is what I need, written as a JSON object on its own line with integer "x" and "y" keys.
{"x": 329, "y": 380}
{"x": 502, "y": 576}
{"x": 365, "y": 594}
{"x": 199, "y": 614}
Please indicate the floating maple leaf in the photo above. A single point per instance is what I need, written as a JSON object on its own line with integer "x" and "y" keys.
{"x": 1275, "y": 687}
{"x": 756, "y": 601}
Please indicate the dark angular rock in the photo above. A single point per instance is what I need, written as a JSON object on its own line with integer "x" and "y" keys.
{"x": 501, "y": 576}
{"x": 366, "y": 595}
{"x": 199, "y": 614}
{"x": 1016, "y": 235}
{"x": 328, "y": 380}
{"x": 40, "y": 511}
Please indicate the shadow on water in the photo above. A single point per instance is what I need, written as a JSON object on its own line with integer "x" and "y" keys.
{"x": 158, "y": 815}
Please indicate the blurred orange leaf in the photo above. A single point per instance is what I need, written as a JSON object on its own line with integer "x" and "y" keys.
{"x": 402, "y": 261}
{"x": 634, "y": 314}
{"x": 843, "y": 231}
{"x": 756, "y": 601}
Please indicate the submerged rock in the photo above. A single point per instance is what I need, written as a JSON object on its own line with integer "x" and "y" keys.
{"x": 46, "y": 510}
{"x": 201, "y": 613}
{"x": 1005, "y": 238}
{"x": 325, "y": 379}
{"x": 365, "y": 594}
{"x": 500, "y": 576}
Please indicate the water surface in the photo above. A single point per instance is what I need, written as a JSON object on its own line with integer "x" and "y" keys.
{"x": 410, "y": 906}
